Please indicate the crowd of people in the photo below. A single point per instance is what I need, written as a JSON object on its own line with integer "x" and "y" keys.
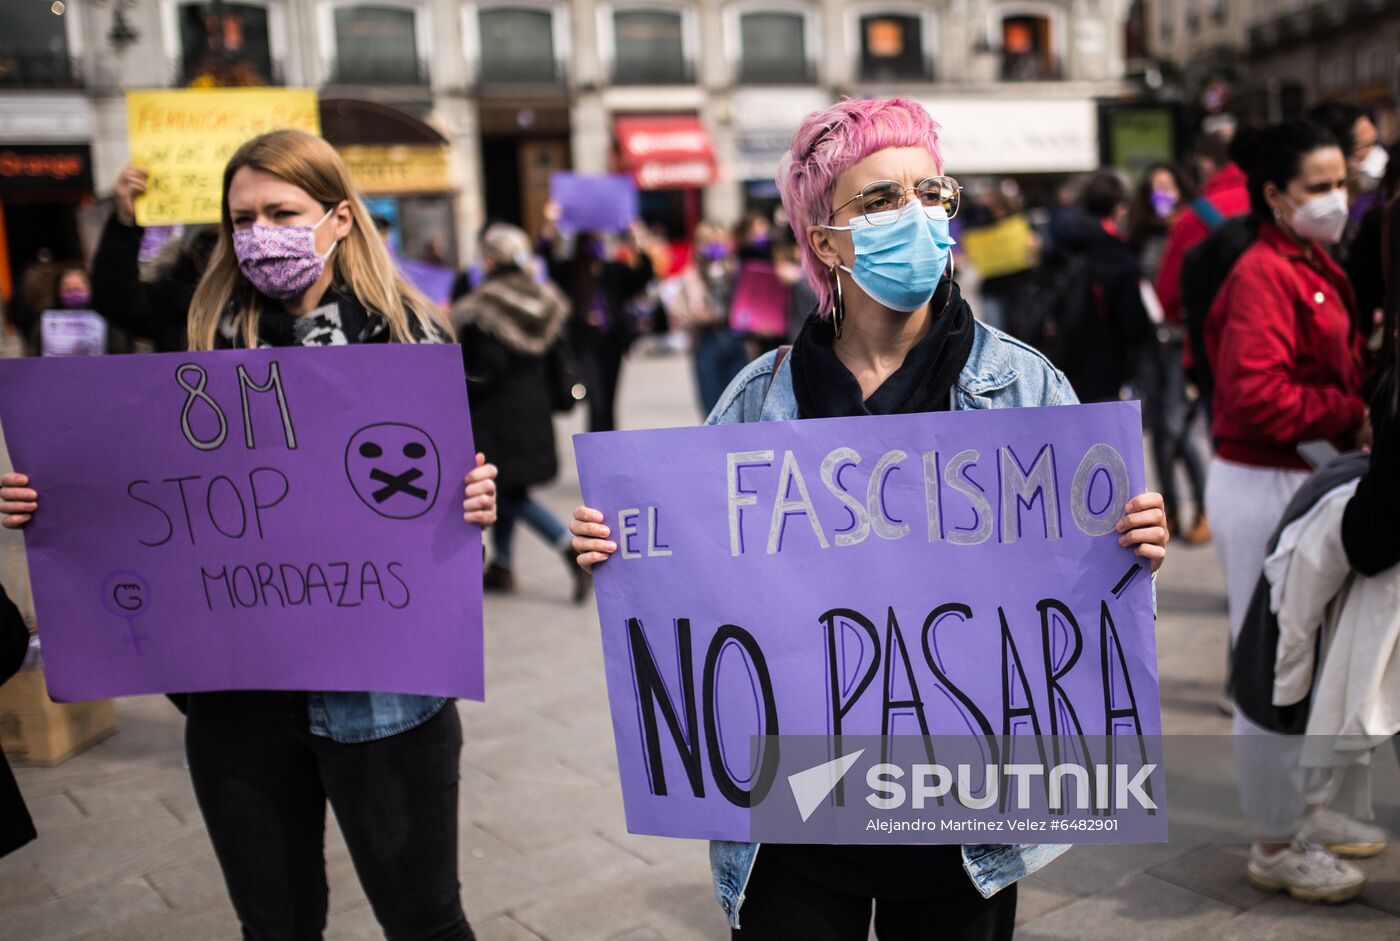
{"x": 1247, "y": 300}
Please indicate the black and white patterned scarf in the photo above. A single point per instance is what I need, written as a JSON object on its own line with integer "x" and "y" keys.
{"x": 339, "y": 321}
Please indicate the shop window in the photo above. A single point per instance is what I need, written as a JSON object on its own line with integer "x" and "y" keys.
{"x": 517, "y": 45}
{"x": 34, "y": 46}
{"x": 649, "y": 48}
{"x": 773, "y": 49}
{"x": 229, "y": 47}
{"x": 377, "y": 46}
{"x": 1026, "y": 52}
{"x": 892, "y": 48}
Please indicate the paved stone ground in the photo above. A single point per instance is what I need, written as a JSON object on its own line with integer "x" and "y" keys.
{"x": 545, "y": 854}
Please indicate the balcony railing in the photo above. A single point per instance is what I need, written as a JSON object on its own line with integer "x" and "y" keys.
{"x": 1298, "y": 25}
{"x": 1030, "y": 67}
{"x": 758, "y": 71}
{"x": 653, "y": 73}
{"x": 877, "y": 70}
{"x": 387, "y": 71}
{"x": 234, "y": 72}
{"x": 536, "y": 73}
{"x": 39, "y": 70}
{"x": 1310, "y": 24}
{"x": 1264, "y": 36}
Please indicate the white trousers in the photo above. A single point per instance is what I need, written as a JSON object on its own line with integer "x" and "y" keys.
{"x": 1245, "y": 505}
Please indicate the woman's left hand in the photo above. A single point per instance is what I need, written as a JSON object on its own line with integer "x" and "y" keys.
{"x": 480, "y": 505}
{"x": 1144, "y": 524}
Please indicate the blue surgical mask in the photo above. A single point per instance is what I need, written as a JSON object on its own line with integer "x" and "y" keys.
{"x": 900, "y": 263}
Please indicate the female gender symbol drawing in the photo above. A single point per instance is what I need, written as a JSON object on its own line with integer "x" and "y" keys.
{"x": 126, "y": 595}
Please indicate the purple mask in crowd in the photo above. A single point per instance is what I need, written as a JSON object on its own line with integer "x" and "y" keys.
{"x": 75, "y": 298}
{"x": 1163, "y": 203}
{"x": 715, "y": 252}
{"x": 281, "y": 261}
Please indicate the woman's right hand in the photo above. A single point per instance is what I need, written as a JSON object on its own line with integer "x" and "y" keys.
{"x": 591, "y": 542}
{"x": 17, "y": 501}
{"x": 131, "y": 182}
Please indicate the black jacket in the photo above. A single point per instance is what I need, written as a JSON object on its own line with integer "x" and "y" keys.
{"x": 1368, "y": 525}
{"x": 510, "y": 334}
{"x": 1098, "y": 357}
{"x": 155, "y": 310}
{"x": 16, "y": 828}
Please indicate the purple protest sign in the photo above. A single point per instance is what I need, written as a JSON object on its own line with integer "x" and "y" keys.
{"x": 947, "y": 574}
{"x": 264, "y": 519}
{"x": 605, "y": 202}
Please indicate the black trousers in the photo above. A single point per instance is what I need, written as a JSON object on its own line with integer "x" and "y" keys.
{"x": 263, "y": 781}
{"x": 783, "y": 904}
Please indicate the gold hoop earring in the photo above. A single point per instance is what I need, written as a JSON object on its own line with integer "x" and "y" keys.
{"x": 838, "y": 303}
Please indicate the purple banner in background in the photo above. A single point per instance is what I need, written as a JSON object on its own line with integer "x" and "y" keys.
{"x": 433, "y": 280}
{"x": 949, "y": 574}
{"x": 265, "y": 519}
{"x": 603, "y": 202}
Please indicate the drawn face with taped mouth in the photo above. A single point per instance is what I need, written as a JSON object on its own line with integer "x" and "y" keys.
{"x": 394, "y": 469}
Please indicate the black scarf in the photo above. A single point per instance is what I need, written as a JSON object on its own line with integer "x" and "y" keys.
{"x": 825, "y": 388}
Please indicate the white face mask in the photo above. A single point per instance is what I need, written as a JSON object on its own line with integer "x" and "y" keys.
{"x": 1322, "y": 218}
{"x": 1373, "y": 167}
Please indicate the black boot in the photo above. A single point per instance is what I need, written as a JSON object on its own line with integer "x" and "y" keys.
{"x": 582, "y": 580}
{"x": 498, "y": 578}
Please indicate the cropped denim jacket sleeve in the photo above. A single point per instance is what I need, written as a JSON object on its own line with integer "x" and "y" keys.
{"x": 1000, "y": 373}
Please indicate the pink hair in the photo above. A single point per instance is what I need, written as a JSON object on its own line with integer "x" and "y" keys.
{"x": 826, "y": 145}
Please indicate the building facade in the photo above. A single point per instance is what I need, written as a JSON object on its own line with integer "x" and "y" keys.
{"x": 697, "y": 99}
{"x": 1280, "y": 57}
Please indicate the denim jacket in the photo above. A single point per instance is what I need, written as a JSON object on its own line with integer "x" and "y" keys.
{"x": 352, "y": 718}
{"x": 1000, "y": 373}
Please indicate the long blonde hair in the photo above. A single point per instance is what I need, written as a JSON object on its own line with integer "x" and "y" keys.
{"x": 360, "y": 261}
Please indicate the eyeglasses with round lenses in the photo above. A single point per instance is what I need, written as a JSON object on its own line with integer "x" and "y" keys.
{"x": 879, "y": 202}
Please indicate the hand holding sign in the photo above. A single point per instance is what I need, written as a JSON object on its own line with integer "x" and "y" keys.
{"x": 849, "y": 577}
{"x": 131, "y": 183}
{"x": 17, "y": 501}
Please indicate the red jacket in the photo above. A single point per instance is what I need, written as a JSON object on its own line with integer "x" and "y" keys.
{"x": 1286, "y": 360}
{"x": 1227, "y": 192}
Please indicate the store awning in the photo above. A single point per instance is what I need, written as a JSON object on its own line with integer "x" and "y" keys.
{"x": 665, "y": 151}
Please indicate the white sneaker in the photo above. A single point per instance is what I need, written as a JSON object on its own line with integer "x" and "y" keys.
{"x": 1343, "y": 835}
{"x": 1307, "y": 872}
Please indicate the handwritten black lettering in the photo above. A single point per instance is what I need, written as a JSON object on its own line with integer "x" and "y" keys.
{"x": 342, "y": 579}
{"x": 169, "y": 524}
{"x": 393, "y": 568}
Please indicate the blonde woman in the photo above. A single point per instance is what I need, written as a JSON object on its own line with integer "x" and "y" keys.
{"x": 298, "y": 263}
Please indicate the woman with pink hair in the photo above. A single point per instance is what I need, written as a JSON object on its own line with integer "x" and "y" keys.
{"x": 869, "y": 203}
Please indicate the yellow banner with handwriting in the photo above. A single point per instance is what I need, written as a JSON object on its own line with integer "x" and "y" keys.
{"x": 184, "y": 138}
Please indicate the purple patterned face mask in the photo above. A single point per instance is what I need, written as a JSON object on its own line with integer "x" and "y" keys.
{"x": 281, "y": 261}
